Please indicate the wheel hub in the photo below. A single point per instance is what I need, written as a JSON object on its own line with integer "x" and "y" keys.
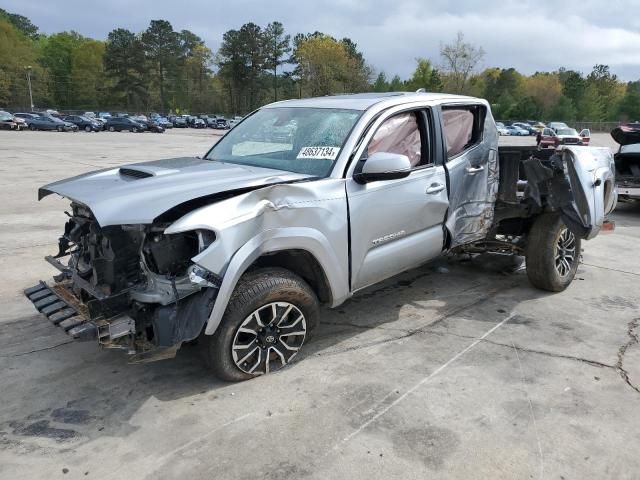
{"x": 565, "y": 252}
{"x": 269, "y": 338}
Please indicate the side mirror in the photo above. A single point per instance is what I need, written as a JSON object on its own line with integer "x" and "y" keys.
{"x": 383, "y": 166}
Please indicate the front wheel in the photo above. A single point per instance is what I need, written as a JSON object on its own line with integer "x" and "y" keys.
{"x": 87, "y": 128}
{"x": 60, "y": 129}
{"x": 552, "y": 254}
{"x": 269, "y": 316}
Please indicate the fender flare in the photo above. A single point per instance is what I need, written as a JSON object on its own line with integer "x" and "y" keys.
{"x": 295, "y": 238}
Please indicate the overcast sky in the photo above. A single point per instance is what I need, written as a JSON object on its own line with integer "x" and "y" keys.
{"x": 530, "y": 35}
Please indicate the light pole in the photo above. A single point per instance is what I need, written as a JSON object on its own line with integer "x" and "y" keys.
{"x": 28, "y": 69}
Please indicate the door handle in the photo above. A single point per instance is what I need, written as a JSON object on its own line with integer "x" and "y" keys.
{"x": 475, "y": 169}
{"x": 435, "y": 188}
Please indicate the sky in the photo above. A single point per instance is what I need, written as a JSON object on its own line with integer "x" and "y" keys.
{"x": 529, "y": 35}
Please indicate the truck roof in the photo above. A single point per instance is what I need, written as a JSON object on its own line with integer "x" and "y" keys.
{"x": 362, "y": 101}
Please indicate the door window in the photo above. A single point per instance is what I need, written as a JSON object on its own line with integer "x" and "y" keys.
{"x": 400, "y": 134}
{"x": 462, "y": 127}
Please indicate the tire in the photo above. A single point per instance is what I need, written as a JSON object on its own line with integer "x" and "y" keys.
{"x": 111, "y": 129}
{"x": 61, "y": 129}
{"x": 87, "y": 128}
{"x": 32, "y": 127}
{"x": 257, "y": 292}
{"x": 552, "y": 254}
{"x": 134, "y": 130}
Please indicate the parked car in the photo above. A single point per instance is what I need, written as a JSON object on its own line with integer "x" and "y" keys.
{"x": 44, "y": 121}
{"x": 563, "y": 136}
{"x": 118, "y": 124}
{"x": 180, "y": 122}
{"x": 517, "y": 131}
{"x": 7, "y": 121}
{"x": 21, "y": 123}
{"x": 525, "y": 126}
{"x": 163, "y": 122}
{"x": 198, "y": 123}
{"x": 151, "y": 125}
{"x": 502, "y": 130}
{"x": 627, "y": 161}
{"x": 84, "y": 123}
{"x": 221, "y": 123}
{"x": 211, "y": 122}
{"x": 240, "y": 248}
{"x": 556, "y": 125}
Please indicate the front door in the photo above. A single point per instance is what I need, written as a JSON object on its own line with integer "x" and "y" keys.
{"x": 471, "y": 140}
{"x": 397, "y": 224}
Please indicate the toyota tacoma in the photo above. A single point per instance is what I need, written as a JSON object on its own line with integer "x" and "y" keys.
{"x": 238, "y": 249}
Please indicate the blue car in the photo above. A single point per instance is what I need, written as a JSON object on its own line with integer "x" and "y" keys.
{"x": 44, "y": 121}
{"x": 517, "y": 131}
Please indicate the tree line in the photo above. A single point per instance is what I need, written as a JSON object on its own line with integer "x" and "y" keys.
{"x": 161, "y": 69}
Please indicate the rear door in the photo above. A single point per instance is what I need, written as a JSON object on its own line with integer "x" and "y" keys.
{"x": 397, "y": 224}
{"x": 471, "y": 161}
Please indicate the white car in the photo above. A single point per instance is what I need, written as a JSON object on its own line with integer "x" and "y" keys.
{"x": 502, "y": 130}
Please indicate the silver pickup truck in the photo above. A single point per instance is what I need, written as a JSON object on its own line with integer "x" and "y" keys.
{"x": 303, "y": 203}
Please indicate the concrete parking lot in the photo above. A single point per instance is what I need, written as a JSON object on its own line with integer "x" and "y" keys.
{"x": 452, "y": 370}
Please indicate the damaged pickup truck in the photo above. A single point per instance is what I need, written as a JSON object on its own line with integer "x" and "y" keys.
{"x": 303, "y": 203}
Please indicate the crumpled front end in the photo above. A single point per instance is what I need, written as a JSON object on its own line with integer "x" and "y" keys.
{"x": 129, "y": 287}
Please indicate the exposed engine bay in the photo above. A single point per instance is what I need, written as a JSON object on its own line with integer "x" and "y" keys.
{"x": 129, "y": 286}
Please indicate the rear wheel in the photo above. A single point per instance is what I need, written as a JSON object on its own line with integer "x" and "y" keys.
{"x": 60, "y": 129}
{"x": 111, "y": 129}
{"x": 553, "y": 254}
{"x": 269, "y": 317}
{"x": 32, "y": 128}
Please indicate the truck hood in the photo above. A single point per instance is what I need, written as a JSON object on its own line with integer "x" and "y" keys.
{"x": 140, "y": 192}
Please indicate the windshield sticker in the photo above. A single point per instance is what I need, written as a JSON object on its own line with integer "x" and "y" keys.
{"x": 319, "y": 153}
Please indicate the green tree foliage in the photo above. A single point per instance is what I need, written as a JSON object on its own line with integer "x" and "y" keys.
{"x": 163, "y": 50}
{"x": 125, "y": 68}
{"x": 630, "y": 103}
{"x": 425, "y": 76}
{"x": 22, "y": 24}
{"x": 381, "y": 84}
{"x": 277, "y": 46}
{"x": 327, "y": 66}
{"x": 459, "y": 60}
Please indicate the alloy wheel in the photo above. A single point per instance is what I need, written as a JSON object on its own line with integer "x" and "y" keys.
{"x": 565, "y": 252}
{"x": 269, "y": 338}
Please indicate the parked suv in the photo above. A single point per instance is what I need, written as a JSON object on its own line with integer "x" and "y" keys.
{"x": 239, "y": 249}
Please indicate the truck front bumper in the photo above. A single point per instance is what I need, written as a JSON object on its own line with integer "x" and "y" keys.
{"x": 63, "y": 310}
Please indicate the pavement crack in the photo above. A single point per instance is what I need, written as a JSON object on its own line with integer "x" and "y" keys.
{"x": 633, "y": 340}
{"x": 611, "y": 269}
{"x": 588, "y": 361}
{"x": 50, "y": 347}
{"x": 409, "y": 333}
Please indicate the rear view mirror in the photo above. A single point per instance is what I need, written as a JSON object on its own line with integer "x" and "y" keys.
{"x": 384, "y": 166}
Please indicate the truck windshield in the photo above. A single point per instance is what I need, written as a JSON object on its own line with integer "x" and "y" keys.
{"x": 294, "y": 139}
